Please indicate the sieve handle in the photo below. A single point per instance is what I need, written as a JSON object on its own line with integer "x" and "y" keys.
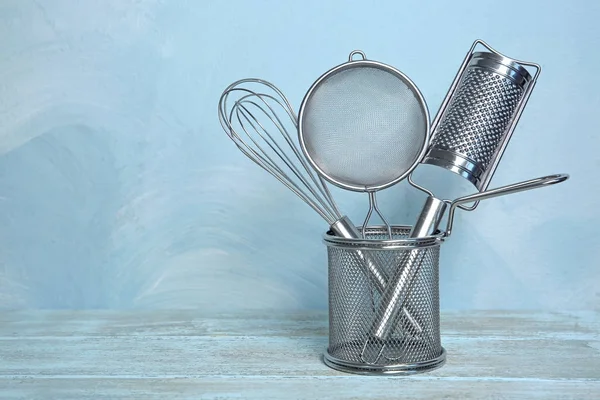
{"x": 501, "y": 191}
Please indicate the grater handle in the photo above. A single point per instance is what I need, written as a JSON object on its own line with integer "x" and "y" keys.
{"x": 501, "y": 191}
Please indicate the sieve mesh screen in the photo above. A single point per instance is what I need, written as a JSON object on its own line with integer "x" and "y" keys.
{"x": 364, "y": 126}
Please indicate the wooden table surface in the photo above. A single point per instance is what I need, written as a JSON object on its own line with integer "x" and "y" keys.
{"x": 264, "y": 355}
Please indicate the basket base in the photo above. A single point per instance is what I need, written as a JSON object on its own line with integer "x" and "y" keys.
{"x": 395, "y": 369}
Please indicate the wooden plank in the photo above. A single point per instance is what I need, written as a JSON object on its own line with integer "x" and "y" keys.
{"x": 177, "y": 356}
{"x": 265, "y": 323}
{"x": 91, "y": 354}
{"x": 274, "y": 387}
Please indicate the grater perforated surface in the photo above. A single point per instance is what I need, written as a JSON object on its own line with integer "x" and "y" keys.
{"x": 479, "y": 115}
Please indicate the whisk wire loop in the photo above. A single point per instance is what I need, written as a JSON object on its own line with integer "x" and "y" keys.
{"x": 247, "y": 116}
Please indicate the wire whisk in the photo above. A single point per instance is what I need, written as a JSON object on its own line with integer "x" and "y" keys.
{"x": 249, "y": 120}
{"x": 259, "y": 119}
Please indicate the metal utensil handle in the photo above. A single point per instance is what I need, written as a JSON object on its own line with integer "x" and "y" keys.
{"x": 346, "y": 229}
{"x": 429, "y": 218}
{"x": 501, "y": 191}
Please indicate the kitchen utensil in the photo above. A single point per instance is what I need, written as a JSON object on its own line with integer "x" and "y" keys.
{"x": 475, "y": 123}
{"x": 363, "y": 125}
{"x": 394, "y": 296}
{"x": 257, "y": 116}
{"x": 470, "y": 133}
{"x": 501, "y": 191}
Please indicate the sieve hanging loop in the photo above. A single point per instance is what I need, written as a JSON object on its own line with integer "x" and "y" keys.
{"x": 357, "y": 52}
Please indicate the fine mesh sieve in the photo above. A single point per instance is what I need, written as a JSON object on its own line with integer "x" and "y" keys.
{"x": 363, "y": 126}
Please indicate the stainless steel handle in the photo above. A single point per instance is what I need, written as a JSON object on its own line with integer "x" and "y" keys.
{"x": 343, "y": 227}
{"x": 429, "y": 218}
{"x": 501, "y": 191}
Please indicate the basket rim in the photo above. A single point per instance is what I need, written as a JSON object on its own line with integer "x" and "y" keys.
{"x": 331, "y": 240}
{"x": 391, "y": 369}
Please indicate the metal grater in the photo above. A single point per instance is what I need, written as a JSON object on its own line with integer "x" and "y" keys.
{"x": 479, "y": 114}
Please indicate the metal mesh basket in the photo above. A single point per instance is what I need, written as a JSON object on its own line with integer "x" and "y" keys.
{"x": 415, "y": 344}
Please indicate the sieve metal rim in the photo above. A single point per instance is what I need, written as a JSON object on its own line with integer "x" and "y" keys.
{"x": 351, "y": 63}
{"x": 331, "y": 240}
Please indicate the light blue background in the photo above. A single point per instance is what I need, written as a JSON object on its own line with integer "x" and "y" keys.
{"x": 119, "y": 189}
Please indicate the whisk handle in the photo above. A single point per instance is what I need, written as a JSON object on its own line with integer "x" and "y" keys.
{"x": 429, "y": 218}
{"x": 343, "y": 227}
